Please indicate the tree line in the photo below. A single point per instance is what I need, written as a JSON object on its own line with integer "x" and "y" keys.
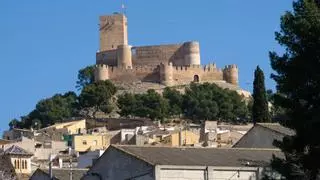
{"x": 198, "y": 102}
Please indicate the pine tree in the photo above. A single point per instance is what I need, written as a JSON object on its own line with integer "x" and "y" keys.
{"x": 298, "y": 82}
{"x": 260, "y": 111}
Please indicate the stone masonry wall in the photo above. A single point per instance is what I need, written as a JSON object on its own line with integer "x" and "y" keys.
{"x": 185, "y": 74}
{"x": 154, "y": 55}
{"x": 136, "y": 74}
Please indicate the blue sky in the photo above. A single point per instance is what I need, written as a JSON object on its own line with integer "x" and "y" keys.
{"x": 43, "y": 43}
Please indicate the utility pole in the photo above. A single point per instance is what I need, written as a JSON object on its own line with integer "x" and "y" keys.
{"x": 70, "y": 168}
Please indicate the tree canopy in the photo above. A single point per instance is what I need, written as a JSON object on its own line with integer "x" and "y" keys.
{"x": 85, "y": 77}
{"x": 298, "y": 85}
{"x": 210, "y": 102}
{"x": 48, "y": 111}
{"x": 200, "y": 102}
{"x": 175, "y": 100}
{"x": 260, "y": 110}
{"x": 98, "y": 96}
{"x": 151, "y": 105}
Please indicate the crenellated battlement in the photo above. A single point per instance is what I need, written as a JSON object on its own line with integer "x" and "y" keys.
{"x": 231, "y": 66}
{"x": 101, "y": 66}
{"x": 206, "y": 68}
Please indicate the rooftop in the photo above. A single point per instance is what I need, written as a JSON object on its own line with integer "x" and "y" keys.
{"x": 62, "y": 174}
{"x": 278, "y": 128}
{"x": 200, "y": 156}
{"x": 16, "y": 150}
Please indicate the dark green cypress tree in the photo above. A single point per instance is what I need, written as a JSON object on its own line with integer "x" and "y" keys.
{"x": 260, "y": 111}
{"x": 298, "y": 83}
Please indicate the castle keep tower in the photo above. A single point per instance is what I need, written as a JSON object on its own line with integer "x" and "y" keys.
{"x": 113, "y": 31}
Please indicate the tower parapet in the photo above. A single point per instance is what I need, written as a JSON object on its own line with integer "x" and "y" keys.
{"x": 192, "y": 53}
{"x": 124, "y": 56}
{"x": 166, "y": 74}
{"x": 101, "y": 72}
{"x": 230, "y": 74}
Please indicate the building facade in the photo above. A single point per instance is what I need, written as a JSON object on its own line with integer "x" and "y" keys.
{"x": 20, "y": 159}
{"x": 90, "y": 142}
{"x": 181, "y": 138}
{"x": 168, "y": 163}
{"x": 262, "y": 135}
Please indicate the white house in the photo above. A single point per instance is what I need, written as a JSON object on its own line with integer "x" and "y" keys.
{"x": 169, "y": 163}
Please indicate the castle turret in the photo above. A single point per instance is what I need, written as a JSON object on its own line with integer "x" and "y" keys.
{"x": 166, "y": 74}
{"x": 124, "y": 56}
{"x": 230, "y": 74}
{"x": 192, "y": 53}
{"x": 101, "y": 72}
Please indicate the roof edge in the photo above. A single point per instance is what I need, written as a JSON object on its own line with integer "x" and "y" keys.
{"x": 134, "y": 155}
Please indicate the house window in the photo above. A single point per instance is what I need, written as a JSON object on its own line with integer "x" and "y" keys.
{"x": 84, "y": 142}
{"x": 15, "y": 164}
{"x": 25, "y": 164}
{"x": 18, "y": 164}
{"x": 22, "y": 164}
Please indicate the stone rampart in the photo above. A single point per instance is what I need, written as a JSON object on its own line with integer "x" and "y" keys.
{"x": 195, "y": 73}
{"x": 107, "y": 57}
{"x": 136, "y": 74}
{"x": 154, "y": 55}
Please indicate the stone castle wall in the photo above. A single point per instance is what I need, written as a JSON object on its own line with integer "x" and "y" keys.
{"x": 166, "y": 74}
{"x": 136, "y": 74}
{"x": 154, "y": 55}
{"x": 195, "y": 73}
{"x": 177, "y": 54}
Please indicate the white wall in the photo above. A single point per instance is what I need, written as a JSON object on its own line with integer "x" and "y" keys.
{"x": 205, "y": 173}
{"x": 233, "y": 175}
{"x": 174, "y": 174}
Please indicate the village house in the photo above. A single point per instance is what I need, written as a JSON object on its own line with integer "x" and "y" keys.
{"x": 181, "y": 138}
{"x": 16, "y": 133}
{"x": 20, "y": 159}
{"x": 90, "y": 142}
{"x": 71, "y": 127}
{"x": 262, "y": 135}
{"x": 165, "y": 163}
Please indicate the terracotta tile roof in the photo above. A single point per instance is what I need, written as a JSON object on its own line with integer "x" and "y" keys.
{"x": 16, "y": 150}
{"x": 200, "y": 156}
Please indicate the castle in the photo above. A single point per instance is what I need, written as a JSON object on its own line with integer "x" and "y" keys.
{"x": 169, "y": 65}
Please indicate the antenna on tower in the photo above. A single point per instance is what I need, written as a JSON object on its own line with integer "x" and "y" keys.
{"x": 123, "y": 7}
